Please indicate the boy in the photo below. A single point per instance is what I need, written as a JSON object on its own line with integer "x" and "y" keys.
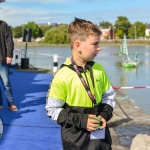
{"x": 81, "y": 98}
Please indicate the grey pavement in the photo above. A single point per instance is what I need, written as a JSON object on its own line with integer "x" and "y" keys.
{"x": 126, "y": 114}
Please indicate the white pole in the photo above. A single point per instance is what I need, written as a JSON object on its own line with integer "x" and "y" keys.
{"x": 130, "y": 87}
{"x": 55, "y": 63}
{"x": 135, "y": 32}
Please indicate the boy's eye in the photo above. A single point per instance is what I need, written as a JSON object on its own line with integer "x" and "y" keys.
{"x": 96, "y": 43}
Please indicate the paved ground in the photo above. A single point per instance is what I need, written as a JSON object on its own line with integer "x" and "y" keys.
{"x": 126, "y": 114}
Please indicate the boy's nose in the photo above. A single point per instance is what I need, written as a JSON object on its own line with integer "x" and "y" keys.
{"x": 98, "y": 49}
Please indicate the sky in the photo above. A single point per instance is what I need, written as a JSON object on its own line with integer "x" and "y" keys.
{"x": 19, "y": 12}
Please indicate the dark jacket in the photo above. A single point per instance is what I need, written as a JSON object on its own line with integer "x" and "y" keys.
{"x": 6, "y": 42}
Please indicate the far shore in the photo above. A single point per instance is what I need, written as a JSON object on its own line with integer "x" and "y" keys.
{"x": 102, "y": 43}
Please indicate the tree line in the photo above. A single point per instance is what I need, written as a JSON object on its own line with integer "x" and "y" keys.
{"x": 58, "y": 34}
{"x": 123, "y": 26}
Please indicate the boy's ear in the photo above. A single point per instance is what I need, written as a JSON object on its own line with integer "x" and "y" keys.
{"x": 77, "y": 45}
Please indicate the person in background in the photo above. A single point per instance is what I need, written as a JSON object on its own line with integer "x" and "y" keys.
{"x": 80, "y": 98}
{"x": 6, "y": 55}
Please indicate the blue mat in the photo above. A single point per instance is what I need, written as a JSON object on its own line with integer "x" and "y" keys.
{"x": 30, "y": 128}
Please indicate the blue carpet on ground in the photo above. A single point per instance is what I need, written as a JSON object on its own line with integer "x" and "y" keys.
{"x": 30, "y": 128}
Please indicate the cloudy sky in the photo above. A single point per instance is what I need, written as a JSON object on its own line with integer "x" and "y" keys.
{"x": 18, "y": 12}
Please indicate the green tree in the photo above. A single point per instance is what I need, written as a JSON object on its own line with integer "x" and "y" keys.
{"x": 56, "y": 35}
{"x": 36, "y": 31}
{"x": 119, "y": 33}
{"x": 122, "y": 24}
{"x": 63, "y": 34}
{"x": 105, "y": 24}
{"x": 44, "y": 29}
{"x": 137, "y": 30}
{"x": 17, "y": 31}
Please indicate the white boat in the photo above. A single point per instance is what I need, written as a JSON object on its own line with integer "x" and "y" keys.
{"x": 127, "y": 62}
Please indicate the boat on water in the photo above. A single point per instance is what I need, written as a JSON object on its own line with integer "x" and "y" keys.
{"x": 126, "y": 60}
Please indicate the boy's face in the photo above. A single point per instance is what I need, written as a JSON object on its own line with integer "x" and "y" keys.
{"x": 89, "y": 48}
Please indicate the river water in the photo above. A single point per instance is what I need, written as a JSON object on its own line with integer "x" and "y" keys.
{"x": 42, "y": 57}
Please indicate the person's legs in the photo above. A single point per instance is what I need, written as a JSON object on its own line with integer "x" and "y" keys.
{"x": 7, "y": 87}
{"x": 1, "y": 99}
{"x": 4, "y": 73}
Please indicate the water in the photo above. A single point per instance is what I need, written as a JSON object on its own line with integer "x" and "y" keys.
{"x": 127, "y": 133}
{"x": 42, "y": 57}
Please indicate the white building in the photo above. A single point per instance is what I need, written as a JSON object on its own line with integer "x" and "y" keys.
{"x": 147, "y": 31}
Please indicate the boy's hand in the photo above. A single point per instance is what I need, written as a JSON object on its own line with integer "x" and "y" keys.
{"x": 103, "y": 124}
{"x": 93, "y": 124}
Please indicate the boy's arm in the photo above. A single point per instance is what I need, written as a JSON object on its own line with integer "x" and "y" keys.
{"x": 65, "y": 117}
{"x": 108, "y": 103}
{"x": 68, "y": 118}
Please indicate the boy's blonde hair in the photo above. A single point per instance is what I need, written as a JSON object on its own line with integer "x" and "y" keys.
{"x": 80, "y": 29}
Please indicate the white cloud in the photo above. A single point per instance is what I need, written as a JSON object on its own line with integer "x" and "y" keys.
{"x": 43, "y": 11}
{"x": 41, "y": 1}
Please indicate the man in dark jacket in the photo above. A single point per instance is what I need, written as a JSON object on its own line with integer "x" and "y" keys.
{"x": 6, "y": 55}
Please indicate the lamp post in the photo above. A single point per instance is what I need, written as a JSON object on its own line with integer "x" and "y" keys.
{"x": 109, "y": 32}
{"x": 114, "y": 32}
{"x": 135, "y": 32}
